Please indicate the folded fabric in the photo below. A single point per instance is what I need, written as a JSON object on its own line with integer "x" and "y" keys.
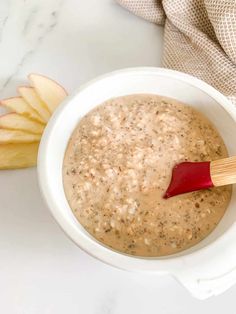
{"x": 199, "y": 37}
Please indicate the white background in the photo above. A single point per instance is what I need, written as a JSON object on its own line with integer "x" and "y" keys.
{"x": 41, "y": 270}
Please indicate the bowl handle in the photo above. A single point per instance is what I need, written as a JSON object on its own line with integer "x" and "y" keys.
{"x": 203, "y": 288}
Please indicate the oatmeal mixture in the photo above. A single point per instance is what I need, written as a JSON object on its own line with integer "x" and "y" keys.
{"x": 118, "y": 165}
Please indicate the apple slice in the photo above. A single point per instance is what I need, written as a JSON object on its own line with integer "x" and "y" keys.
{"x": 19, "y": 105}
{"x": 31, "y": 97}
{"x": 16, "y": 121}
{"x": 13, "y": 156}
{"x": 16, "y": 136}
{"x": 49, "y": 91}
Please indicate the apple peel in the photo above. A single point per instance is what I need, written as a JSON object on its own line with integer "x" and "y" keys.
{"x": 49, "y": 91}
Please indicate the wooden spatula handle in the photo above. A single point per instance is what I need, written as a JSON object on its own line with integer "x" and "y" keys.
{"x": 223, "y": 171}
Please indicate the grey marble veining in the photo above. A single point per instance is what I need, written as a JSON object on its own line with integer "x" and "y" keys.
{"x": 4, "y": 15}
{"x": 24, "y": 25}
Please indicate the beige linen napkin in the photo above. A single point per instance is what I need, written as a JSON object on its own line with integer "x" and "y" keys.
{"x": 199, "y": 37}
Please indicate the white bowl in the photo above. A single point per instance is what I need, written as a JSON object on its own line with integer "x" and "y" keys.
{"x": 206, "y": 269}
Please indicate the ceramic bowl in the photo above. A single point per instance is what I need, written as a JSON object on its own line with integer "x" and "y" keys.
{"x": 206, "y": 269}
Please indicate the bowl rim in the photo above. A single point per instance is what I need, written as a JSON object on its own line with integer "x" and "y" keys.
{"x": 161, "y": 265}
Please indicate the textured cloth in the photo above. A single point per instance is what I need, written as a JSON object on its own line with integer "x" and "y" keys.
{"x": 199, "y": 37}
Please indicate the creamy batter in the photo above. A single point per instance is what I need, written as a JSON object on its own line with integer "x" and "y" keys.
{"x": 118, "y": 164}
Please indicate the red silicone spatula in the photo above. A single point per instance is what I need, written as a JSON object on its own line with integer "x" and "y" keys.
{"x": 193, "y": 176}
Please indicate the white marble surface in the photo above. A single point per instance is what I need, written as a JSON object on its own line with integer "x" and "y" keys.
{"x": 41, "y": 270}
